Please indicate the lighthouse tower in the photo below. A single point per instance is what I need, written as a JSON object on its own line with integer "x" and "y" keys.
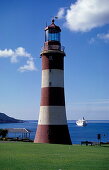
{"x": 52, "y": 123}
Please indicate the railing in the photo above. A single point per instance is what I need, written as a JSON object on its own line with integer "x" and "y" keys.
{"x": 53, "y": 47}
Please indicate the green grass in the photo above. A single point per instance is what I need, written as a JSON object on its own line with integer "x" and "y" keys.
{"x": 30, "y": 156}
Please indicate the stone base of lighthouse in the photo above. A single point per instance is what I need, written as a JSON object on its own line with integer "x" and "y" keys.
{"x": 57, "y": 134}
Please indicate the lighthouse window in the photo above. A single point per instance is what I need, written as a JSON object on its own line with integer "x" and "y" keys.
{"x": 52, "y": 36}
{"x": 49, "y": 83}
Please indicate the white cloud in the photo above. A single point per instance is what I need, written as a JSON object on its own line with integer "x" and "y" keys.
{"x": 103, "y": 36}
{"x": 85, "y": 15}
{"x": 20, "y": 51}
{"x": 61, "y": 13}
{"x": 6, "y": 53}
{"x": 100, "y": 36}
{"x": 15, "y": 55}
{"x": 29, "y": 66}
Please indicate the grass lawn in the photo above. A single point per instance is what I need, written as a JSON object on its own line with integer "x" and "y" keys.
{"x": 30, "y": 156}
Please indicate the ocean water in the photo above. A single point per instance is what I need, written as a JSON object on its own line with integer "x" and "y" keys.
{"x": 77, "y": 134}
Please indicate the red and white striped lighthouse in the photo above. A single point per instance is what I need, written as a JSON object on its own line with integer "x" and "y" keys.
{"x": 52, "y": 123}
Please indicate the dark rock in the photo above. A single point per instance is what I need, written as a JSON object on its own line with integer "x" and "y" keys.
{"x": 6, "y": 119}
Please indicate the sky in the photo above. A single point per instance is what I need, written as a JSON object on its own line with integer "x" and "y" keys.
{"x": 85, "y": 35}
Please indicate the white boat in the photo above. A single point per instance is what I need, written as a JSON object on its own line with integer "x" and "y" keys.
{"x": 81, "y": 122}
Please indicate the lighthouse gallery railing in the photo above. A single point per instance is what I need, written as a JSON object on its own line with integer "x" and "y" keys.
{"x": 53, "y": 47}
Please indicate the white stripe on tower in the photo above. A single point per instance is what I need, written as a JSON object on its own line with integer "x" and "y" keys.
{"x": 52, "y": 115}
{"x": 52, "y": 78}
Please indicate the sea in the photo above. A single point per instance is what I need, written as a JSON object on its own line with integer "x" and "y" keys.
{"x": 77, "y": 134}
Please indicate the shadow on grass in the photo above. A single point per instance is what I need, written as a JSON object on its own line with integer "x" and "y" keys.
{"x": 105, "y": 146}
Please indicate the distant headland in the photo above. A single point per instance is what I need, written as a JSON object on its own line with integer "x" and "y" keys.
{"x": 6, "y": 119}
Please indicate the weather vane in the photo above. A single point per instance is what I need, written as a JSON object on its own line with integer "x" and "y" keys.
{"x": 53, "y": 19}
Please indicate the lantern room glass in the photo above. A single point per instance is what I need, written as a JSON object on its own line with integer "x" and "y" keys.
{"x": 55, "y": 36}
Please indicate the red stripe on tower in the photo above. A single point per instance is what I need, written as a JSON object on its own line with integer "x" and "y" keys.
{"x": 52, "y": 124}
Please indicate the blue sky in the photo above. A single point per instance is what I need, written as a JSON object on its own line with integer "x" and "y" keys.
{"x": 85, "y": 35}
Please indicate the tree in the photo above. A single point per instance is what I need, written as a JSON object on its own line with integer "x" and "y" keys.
{"x": 3, "y": 132}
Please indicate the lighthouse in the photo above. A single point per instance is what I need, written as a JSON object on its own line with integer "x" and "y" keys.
{"x": 52, "y": 124}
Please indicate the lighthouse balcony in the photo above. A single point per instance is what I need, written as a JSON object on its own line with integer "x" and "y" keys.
{"x": 53, "y": 47}
{"x": 48, "y": 48}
